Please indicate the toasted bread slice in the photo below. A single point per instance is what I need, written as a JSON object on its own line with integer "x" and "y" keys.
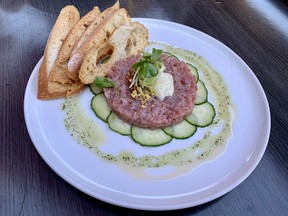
{"x": 139, "y": 38}
{"x": 101, "y": 34}
{"x": 89, "y": 31}
{"x": 125, "y": 41}
{"x": 59, "y": 72}
{"x": 66, "y": 20}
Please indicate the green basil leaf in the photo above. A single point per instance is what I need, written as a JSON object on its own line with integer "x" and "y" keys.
{"x": 147, "y": 57}
{"x": 103, "y": 82}
{"x": 141, "y": 72}
{"x": 156, "y": 53}
{"x": 149, "y": 70}
{"x": 147, "y": 81}
{"x": 138, "y": 64}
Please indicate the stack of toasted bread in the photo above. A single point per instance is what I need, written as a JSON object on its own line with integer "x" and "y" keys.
{"x": 76, "y": 48}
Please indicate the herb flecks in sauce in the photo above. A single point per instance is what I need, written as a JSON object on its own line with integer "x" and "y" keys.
{"x": 81, "y": 127}
{"x": 208, "y": 145}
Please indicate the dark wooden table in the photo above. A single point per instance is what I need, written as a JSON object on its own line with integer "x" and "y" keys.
{"x": 256, "y": 30}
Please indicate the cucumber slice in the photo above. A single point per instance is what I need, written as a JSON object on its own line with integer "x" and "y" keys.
{"x": 172, "y": 55}
{"x": 100, "y": 106}
{"x": 147, "y": 137}
{"x": 118, "y": 125}
{"x": 202, "y": 115}
{"x": 182, "y": 130}
{"x": 94, "y": 89}
{"x": 201, "y": 94}
{"x": 194, "y": 71}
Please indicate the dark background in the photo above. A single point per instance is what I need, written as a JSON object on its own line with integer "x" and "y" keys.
{"x": 257, "y": 30}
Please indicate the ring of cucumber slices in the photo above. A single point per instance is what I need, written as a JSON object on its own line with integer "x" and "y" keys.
{"x": 202, "y": 115}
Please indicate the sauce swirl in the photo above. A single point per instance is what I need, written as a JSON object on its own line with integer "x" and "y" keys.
{"x": 210, "y": 142}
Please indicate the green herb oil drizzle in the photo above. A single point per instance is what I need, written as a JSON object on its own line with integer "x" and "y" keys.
{"x": 183, "y": 160}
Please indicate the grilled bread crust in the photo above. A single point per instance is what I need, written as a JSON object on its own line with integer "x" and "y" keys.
{"x": 66, "y": 20}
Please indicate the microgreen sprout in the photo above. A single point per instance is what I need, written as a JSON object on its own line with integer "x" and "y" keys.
{"x": 147, "y": 68}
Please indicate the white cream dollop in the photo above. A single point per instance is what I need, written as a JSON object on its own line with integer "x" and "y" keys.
{"x": 163, "y": 84}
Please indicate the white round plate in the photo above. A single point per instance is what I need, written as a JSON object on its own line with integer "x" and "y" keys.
{"x": 84, "y": 170}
